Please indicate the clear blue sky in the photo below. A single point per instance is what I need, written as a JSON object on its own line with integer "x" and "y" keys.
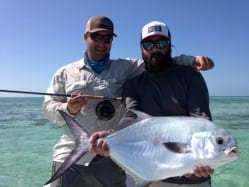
{"x": 39, "y": 36}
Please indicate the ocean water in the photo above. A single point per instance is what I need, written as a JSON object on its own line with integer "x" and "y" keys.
{"x": 27, "y": 139}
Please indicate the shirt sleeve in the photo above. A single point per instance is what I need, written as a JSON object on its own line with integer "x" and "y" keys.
{"x": 52, "y": 104}
{"x": 136, "y": 68}
{"x": 131, "y": 99}
{"x": 184, "y": 60}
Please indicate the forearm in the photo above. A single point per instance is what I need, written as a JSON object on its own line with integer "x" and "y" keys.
{"x": 184, "y": 60}
{"x": 197, "y": 62}
{"x": 52, "y": 104}
{"x": 51, "y": 108}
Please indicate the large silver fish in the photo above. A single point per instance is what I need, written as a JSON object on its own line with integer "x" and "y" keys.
{"x": 155, "y": 148}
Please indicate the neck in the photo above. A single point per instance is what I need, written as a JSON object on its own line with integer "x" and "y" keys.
{"x": 96, "y": 66}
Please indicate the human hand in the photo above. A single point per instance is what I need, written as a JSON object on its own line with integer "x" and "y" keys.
{"x": 99, "y": 146}
{"x": 75, "y": 103}
{"x": 201, "y": 171}
{"x": 202, "y": 63}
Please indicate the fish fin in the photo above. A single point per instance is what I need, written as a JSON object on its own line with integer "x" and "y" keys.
{"x": 81, "y": 148}
{"x": 130, "y": 117}
{"x": 71, "y": 159}
{"x": 75, "y": 127}
{"x": 178, "y": 147}
{"x": 140, "y": 115}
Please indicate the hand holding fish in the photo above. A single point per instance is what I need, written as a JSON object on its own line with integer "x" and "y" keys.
{"x": 201, "y": 171}
{"x": 99, "y": 146}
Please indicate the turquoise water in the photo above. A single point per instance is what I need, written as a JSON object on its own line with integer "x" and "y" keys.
{"x": 27, "y": 139}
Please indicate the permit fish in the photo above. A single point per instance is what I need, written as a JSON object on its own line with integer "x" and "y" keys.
{"x": 155, "y": 148}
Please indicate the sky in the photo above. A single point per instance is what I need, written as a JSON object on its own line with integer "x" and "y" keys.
{"x": 38, "y": 37}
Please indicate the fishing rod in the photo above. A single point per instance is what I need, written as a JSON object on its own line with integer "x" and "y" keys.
{"x": 92, "y": 97}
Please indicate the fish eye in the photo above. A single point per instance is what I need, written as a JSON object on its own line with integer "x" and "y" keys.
{"x": 219, "y": 140}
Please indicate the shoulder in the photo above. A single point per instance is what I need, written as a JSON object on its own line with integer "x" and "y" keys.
{"x": 71, "y": 67}
{"x": 127, "y": 67}
{"x": 137, "y": 80}
{"x": 188, "y": 76}
{"x": 126, "y": 62}
{"x": 185, "y": 70}
{"x": 74, "y": 64}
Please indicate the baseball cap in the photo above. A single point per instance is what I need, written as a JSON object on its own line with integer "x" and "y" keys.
{"x": 100, "y": 23}
{"x": 155, "y": 28}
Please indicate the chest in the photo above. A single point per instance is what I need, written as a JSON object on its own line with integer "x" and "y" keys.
{"x": 163, "y": 95}
{"x": 89, "y": 82}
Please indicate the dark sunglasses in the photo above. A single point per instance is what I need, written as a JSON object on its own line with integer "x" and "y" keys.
{"x": 159, "y": 44}
{"x": 100, "y": 37}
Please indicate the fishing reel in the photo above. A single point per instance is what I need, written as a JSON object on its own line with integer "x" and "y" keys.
{"x": 105, "y": 110}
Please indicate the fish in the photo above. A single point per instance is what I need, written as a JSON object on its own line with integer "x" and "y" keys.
{"x": 153, "y": 148}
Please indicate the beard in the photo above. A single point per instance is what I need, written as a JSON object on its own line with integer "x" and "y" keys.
{"x": 157, "y": 62}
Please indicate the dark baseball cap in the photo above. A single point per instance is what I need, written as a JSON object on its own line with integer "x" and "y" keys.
{"x": 100, "y": 23}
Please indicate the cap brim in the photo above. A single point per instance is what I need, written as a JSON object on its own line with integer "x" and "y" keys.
{"x": 101, "y": 29}
{"x": 157, "y": 34}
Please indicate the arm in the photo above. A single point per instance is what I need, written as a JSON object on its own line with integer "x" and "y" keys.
{"x": 52, "y": 104}
{"x": 198, "y": 97}
{"x": 130, "y": 95}
{"x": 198, "y": 105}
{"x": 197, "y": 62}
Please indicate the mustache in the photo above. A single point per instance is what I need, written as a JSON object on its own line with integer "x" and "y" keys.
{"x": 156, "y": 55}
{"x": 157, "y": 61}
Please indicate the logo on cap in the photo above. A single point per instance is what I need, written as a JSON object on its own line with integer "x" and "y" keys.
{"x": 155, "y": 28}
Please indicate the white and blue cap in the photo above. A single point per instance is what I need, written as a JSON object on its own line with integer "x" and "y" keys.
{"x": 155, "y": 28}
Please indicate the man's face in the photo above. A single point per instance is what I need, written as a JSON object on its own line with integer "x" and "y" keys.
{"x": 156, "y": 53}
{"x": 98, "y": 45}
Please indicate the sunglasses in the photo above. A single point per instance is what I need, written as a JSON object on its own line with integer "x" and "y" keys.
{"x": 159, "y": 44}
{"x": 100, "y": 37}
